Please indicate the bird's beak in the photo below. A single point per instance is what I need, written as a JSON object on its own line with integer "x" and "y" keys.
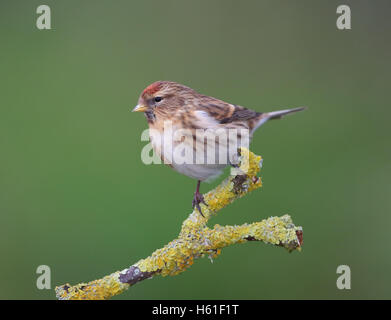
{"x": 140, "y": 108}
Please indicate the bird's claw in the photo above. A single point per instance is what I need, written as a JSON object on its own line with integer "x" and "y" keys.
{"x": 198, "y": 198}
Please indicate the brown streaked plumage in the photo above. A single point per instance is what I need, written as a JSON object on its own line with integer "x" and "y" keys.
{"x": 189, "y": 110}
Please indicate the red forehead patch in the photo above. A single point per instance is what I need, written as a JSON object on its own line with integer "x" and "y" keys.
{"x": 153, "y": 88}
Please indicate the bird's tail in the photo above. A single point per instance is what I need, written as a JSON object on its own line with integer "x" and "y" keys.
{"x": 263, "y": 117}
{"x": 280, "y": 113}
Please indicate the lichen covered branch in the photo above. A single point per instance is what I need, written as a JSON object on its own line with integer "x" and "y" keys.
{"x": 196, "y": 239}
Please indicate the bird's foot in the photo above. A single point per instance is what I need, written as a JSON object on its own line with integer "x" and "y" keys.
{"x": 198, "y": 198}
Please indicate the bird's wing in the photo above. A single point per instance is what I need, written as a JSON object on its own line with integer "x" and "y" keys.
{"x": 241, "y": 114}
{"x": 211, "y": 112}
{"x": 218, "y": 112}
{"x": 224, "y": 112}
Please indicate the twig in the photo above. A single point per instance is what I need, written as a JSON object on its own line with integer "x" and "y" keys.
{"x": 196, "y": 240}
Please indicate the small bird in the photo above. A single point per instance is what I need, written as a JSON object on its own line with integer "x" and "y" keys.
{"x": 189, "y": 111}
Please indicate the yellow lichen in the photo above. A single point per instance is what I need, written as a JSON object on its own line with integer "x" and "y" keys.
{"x": 196, "y": 239}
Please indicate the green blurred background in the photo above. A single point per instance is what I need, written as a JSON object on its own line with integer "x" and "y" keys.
{"x": 74, "y": 194}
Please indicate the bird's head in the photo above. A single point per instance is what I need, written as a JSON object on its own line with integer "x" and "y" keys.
{"x": 163, "y": 97}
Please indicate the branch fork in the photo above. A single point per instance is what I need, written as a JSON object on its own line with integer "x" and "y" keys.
{"x": 196, "y": 239}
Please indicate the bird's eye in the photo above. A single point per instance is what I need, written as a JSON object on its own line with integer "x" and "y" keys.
{"x": 158, "y": 99}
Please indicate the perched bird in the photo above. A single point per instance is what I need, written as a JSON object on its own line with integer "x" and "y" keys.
{"x": 189, "y": 111}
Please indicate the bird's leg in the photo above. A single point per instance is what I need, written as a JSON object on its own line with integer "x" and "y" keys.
{"x": 198, "y": 198}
